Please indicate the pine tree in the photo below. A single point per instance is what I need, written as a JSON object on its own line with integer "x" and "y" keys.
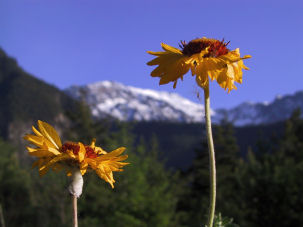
{"x": 271, "y": 182}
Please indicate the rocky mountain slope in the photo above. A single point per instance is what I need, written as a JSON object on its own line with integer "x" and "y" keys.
{"x": 128, "y": 103}
{"x": 263, "y": 113}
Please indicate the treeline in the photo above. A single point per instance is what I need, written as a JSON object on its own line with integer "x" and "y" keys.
{"x": 260, "y": 189}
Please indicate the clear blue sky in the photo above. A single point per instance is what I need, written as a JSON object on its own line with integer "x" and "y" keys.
{"x": 66, "y": 42}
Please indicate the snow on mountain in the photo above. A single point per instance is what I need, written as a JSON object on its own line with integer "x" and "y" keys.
{"x": 128, "y": 103}
{"x": 279, "y": 109}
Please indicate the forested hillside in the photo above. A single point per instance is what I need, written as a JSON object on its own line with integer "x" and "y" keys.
{"x": 25, "y": 99}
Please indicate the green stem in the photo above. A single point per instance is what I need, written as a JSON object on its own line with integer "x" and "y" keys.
{"x": 1, "y": 217}
{"x": 212, "y": 162}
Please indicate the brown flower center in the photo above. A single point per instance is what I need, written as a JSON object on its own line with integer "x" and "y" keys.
{"x": 90, "y": 153}
{"x": 216, "y": 47}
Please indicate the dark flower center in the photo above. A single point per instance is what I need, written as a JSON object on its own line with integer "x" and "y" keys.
{"x": 90, "y": 153}
{"x": 216, "y": 47}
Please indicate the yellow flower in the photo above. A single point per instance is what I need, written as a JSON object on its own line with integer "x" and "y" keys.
{"x": 52, "y": 154}
{"x": 206, "y": 58}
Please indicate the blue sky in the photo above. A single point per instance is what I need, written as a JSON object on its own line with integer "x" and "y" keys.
{"x": 67, "y": 42}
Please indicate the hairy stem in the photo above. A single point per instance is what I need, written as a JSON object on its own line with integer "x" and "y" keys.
{"x": 212, "y": 162}
{"x": 75, "y": 216}
{"x": 75, "y": 189}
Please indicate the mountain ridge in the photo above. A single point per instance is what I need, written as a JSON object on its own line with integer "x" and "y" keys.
{"x": 127, "y": 103}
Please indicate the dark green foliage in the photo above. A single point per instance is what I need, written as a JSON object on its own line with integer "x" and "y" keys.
{"x": 227, "y": 159}
{"x": 27, "y": 199}
{"x": 179, "y": 153}
{"x": 15, "y": 194}
{"x": 272, "y": 181}
{"x": 143, "y": 196}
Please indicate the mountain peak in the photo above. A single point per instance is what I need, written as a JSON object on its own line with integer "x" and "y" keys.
{"x": 127, "y": 103}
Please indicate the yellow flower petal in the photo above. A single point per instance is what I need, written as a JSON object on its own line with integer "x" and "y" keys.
{"x": 38, "y": 141}
{"x": 83, "y": 167}
{"x": 69, "y": 172}
{"x": 39, "y": 153}
{"x": 71, "y": 154}
{"x": 112, "y": 154}
{"x": 172, "y": 64}
{"x": 206, "y": 58}
{"x": 81, "y": 153}
{"x": 36, "y": 131}
{"x": 53, "y": 155}
{"x": 246, "y": 57}
{"x": 108, "y": 177}
{"x": 93, "y": 143}
{"x": 158, "y": 53}
{"x": 237, "y": 67}
{"x": 170, "y": 48}
{"x": 105, "y": 164}
{"x": 43, "y": 169}
{"x": 202, "y": 81}
{"x": 98, "y": 150}
{"x": 50, "y": 133}
{"x": 226, "y": 79}
{"x": 233, "y": 56}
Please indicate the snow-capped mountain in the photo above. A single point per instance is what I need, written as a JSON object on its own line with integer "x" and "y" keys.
{"x": 279, "y": 109}
{"x": 128, "y": 103}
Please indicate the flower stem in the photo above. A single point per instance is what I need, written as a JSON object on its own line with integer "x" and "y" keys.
{"x": 212, "y": 162}
{"x": 75, "y": 211}
{"x": 1, "y": 217}
{"x": 75, "y": 189}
